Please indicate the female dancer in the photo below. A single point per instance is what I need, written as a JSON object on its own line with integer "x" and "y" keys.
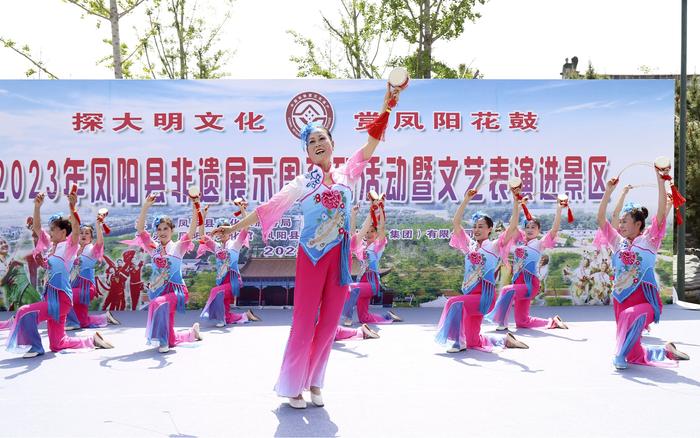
{"x": 368, "y": 246}
{"x": 323, "y": 259}
{"x": 167, "y": 289}
{"x": 460, "y": 323}
{"x": 636, "y": 298}
{"x": 83, "y": 279}
{"x": 228, "y": 278}
{"x": 526, "y": 282}
{"x": 57, "y": 295}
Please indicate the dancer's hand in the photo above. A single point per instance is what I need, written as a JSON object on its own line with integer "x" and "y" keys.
{"x": 39, "y": 200}
{"x": 150, "y": 200}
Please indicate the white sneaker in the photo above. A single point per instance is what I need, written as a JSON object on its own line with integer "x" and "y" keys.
{"x": 502, "y": 328}
{"x": 317, "y": 400}
{"x": 111, "y": 319}
{"x": 297, "y": 403}
{"x": 347, "y": 322}
{"x": 455, "y": 349}
{"x": 220, "y": 324}
{"x": 70, "y": 328}
{"x": 163, "y": 349}
{"x": 368, "y": 333}
{"x": 195, "y": 329}
{"x": 101, "y": 342}
{"x": 30, "y": 354}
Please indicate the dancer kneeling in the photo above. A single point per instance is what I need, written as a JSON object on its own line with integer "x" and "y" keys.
{"x": 228, "y": 278}
{"x": 460, "y": 323}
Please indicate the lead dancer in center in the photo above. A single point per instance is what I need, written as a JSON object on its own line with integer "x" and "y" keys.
{"x": 323, "y": 259}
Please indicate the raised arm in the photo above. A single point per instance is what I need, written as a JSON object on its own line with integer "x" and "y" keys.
{"x": 100, "y": 233}
{"x": 242, "y": 238}
{"x": 369, "y": 147}
{"x": 457, "y": 219}
{"x": 381, "y": 225}
{"x": 602, "y": 208}
{"x": 141, "y": 221}
{"x": 36, "y": 219}
{"x": 512, "y": 229}
{"x": 365, "y": 228}
{"x": 193, "y": 222}
{"x": 557, "y": 221}
{"x": 73, "y": 218}
{"x": 661, "y": 207}
{"x": 615, "y": 219}
{"x": 202, "y": 230}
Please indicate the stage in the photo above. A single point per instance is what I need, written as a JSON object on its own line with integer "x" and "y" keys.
{"x": 400, "y": 385}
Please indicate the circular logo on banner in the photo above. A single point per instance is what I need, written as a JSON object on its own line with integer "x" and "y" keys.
{"x": 306, "y": 107}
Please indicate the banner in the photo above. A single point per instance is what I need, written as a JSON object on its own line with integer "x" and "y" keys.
{"x": 121, "y": 140}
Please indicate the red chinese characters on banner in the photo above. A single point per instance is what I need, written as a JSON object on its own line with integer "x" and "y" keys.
{"x": 549, "y": 178}
{"x": 523, "y": 121}
{"x": 209, "y": 122}
{"x": 473, "y": 170}
{"x": 486, "y": 120}
{"x": 573, "y": 177}
{"x": 90, "y": 122}
{"x": 210, "y": 180}
{"x": 263, "y": 171}
{"x": 101, "y": 180}
{"x": 597, "y": 166}
{"x": 397, "y": 179}
{"x": 499, "y": 171}
{"x": 408, "y": 120}
{"x": 74, "y": 172}
{"x": 364, "y": 118}
{"x": 181, "y": 178}
{"x": 290, "y": 167}
{"x": 525, "y": 170}
{"x": 446, "y": 120}
{"x": 422, "y": 179}
{"x": 249, "y": 121}
{"x": 127, "y": 122}
{"x": 448, "y": 174}
{"x": 155, "y": 178}
{"x": 128, "y": 184}
{"x": 236, "y": 178}
{"x": 168, "y": 122}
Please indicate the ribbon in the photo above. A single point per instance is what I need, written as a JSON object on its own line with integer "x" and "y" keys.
{"x": 676, "y": 197}
{"x": 528, "y": 216}
{"x": 377, "y": 128}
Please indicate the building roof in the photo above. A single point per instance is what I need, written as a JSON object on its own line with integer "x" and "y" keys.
{"x": 283, "y": 267}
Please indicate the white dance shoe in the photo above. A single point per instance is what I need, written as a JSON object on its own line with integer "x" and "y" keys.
{"x": 101, "y": 342}
{"x": 297, "y": 403}
{"x": 111, "y": 319}
{"x": 195, "y": 329}
{"x": 317, "y": 400}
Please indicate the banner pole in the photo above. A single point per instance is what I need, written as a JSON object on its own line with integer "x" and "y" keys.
{"x": 680, "y": 276}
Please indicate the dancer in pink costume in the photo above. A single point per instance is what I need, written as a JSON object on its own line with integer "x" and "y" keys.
{"x": 82, "y": 278}
{"x": 167, "y": 289}
{"x": 58, "y": 294}
{"x": 368, "y": 245}
{"x": 460, "y": 322}
{"x": 526, "y": 282}
{"x": 228, "y": 278}
{"x": 636, "y": 298}
{"x": 323, "y": 259}
{"x": 362, "y": 332}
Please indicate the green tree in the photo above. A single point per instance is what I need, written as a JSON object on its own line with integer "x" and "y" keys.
{"x": 26, "y": 53}
{"x": 114, "y": 12}
{"x": 181, "y": 43}
{"x": 362, "y": 31}
{"x": 425, "y": 22}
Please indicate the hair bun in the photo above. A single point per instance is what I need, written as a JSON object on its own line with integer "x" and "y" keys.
{"x": 645, "y": 212}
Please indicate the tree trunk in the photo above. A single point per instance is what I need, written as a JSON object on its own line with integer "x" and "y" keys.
{"x": 180, "y": 24}
{"x": 116, "y": 44}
